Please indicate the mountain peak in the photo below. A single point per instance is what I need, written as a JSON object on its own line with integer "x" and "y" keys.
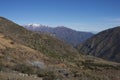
{"x": 36, "y": 25}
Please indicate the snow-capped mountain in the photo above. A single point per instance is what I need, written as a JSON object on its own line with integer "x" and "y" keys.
{"x": 63, "y": 33}
{"x": 34, "y": 26}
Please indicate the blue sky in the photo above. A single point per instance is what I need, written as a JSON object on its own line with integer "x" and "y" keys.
{"x": 82, "y": 15}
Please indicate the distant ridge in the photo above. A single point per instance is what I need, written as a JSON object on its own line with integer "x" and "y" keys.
{"x": 63, "y": 33}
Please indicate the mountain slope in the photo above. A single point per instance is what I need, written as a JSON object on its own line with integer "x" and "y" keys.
{"x": 105, "y": 45}
{"x": 25, "y": 55}
{"x": 32, "y": 53}
{"x": 41, "y": 42}
{"x": 65, "y": 34}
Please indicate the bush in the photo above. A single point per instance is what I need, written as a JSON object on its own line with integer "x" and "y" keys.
{"x": 1, "y": 66}
{"x": 50, "y": 76}
{"x": 47, "y": 75}
{"x": 24, "y": 68}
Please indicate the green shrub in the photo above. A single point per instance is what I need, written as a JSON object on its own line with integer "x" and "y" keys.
{"x": 50, "y": 76}
{"x": 47, "y": 75}
{"x": 24, "y": 68}
{"x": 1, "y": 66}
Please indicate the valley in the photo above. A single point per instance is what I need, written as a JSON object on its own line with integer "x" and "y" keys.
{"x": 27, "y": 55}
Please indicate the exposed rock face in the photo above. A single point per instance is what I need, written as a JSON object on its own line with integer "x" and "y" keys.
{"x": 105, "y": 44}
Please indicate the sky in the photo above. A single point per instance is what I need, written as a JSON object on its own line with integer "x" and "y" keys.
{"x": 81, "y": 15}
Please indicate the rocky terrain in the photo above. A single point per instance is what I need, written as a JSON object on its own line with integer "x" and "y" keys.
{"x": 26, "y": 55}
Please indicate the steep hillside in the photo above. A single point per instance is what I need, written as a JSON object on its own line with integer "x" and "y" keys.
{"x": 63, "y": 33}
{"x": 41, "y": 42}
{"x": 105, "y": 45}
{"x": 25, "y": 55}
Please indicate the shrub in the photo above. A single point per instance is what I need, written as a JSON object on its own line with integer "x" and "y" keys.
{"x": 24, "y": 68}
{"x": 47, "y": 75}
{"x": 50, "y": 76}
{"x": 1, "y": 66}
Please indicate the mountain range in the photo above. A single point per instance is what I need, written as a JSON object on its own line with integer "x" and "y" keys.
{"x": 65, "y": 34}
{"x": 105, "y": 44}
{"x": 28, "y": 55}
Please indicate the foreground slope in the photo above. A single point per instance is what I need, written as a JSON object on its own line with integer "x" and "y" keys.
{"x": 105, "y": 44}
{"x": 19, "y": 62}
{"x": 16, "y": 58}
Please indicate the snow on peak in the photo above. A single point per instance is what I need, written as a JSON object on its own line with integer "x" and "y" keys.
{"x": 34, "y": 25}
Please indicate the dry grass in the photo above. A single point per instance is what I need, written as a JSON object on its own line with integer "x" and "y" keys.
{"x": 17, "y": 76}
{"x": 4, "y": 42}
{"x": 19, "y": 46}
{"x": 19, "y": 54}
